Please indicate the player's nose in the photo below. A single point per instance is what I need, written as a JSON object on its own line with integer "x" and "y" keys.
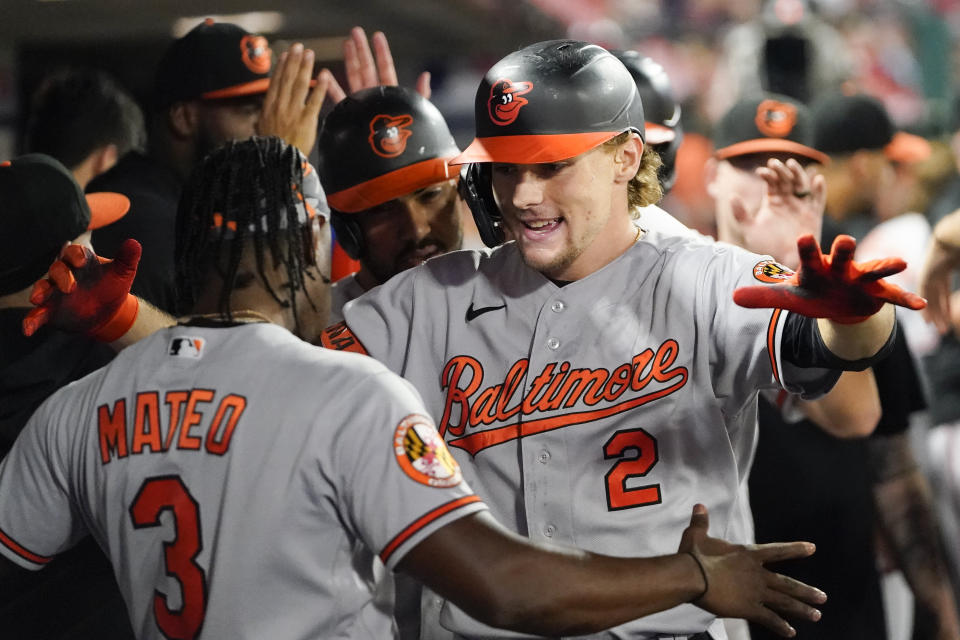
{"x": 527, "y": 189}
{"x": 419, "y": 220}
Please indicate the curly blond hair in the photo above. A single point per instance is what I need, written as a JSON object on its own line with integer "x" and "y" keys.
{"x": 644, "y": 188}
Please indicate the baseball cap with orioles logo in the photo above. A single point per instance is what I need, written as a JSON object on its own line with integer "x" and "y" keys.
{"x": 42, "y": 208}
{"x": 215, "y": 60}
{"x": 769, "y": 123}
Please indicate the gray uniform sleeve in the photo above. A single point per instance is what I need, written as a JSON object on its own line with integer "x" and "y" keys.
{"x": 400, "y": 484}
{"x": 38, "y": 516}
{"x": 378, "y": 323}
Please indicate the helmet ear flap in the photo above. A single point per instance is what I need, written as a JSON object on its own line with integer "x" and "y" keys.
{"x": 476, "y": 190}
{"x": 348, "y": 233}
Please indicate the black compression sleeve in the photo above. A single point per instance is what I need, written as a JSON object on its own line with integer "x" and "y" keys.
{"x": 803, "y": 346}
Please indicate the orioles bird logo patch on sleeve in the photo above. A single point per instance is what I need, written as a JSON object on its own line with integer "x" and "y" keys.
{"x": 422, "y": 453}
{"x": 772, "y": 272}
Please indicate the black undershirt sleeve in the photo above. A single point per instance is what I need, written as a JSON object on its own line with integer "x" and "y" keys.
{"x": 803, "y": 346}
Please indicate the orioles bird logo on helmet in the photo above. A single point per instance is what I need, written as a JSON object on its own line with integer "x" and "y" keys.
{"x": 255, "y": 53}
{"x": 388, "y": 134}
{"x": 775, "y": 119}
{"x": 505, "y": 100}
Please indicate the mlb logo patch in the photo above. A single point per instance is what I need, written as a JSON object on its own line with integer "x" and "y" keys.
{"x": 186, "y": 347}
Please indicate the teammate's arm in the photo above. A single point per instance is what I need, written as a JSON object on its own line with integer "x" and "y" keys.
{"x": 506, "y": 581}
{"x": 850, "y": 410}
{"x": 907, "y": 520}
{"x": 936, "y": 277}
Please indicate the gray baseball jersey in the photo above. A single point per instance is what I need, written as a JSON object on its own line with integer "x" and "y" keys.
{"x": 597, "y": 413}
{"x": 341, "y": 292}
{"x": 239, "y": 479}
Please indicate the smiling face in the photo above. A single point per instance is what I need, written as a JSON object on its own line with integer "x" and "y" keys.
{"x": 569, "y": 218}
{"x": 403, "y": 232}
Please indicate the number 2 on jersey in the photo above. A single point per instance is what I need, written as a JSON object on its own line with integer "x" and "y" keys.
{"x": 168, "y": 493}
{"x": 643, "y": 446}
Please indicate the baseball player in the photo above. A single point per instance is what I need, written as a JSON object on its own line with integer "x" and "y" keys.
{"x": 590, "y": 377}
{"x": 241, "y": 480}
{"x": 383, "y": 159}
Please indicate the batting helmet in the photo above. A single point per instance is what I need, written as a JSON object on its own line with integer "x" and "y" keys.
{"x": 664, "y": 131}
{"x": 377, "y": 145}
{"x": 547, "y": 102}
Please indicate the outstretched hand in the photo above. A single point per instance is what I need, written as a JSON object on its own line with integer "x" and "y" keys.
{"x": 291, "y": 110}
{"x": 84, "y": 293}
{"x": 738, "y": 585}
{"x": 833, "y": 286}
{"x": 366, "y": 68}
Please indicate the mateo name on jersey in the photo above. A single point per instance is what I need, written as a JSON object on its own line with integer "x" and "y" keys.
{"x": 178, "y": 425}
{"x": 557, "y": 386}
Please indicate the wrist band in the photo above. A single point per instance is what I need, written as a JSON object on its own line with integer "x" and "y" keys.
{"x": 120, "y": 322}
{"x": 706, "y": 584}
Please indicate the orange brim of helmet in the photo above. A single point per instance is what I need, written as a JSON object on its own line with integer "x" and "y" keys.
{"x": 771, "y": 145}
{"x": 658, "y": 134}
{"x": 532, "y": 149}
{"x": 106, "y": 208}
{"x": 391, "y": 185}
{"x": 907, "y": 148}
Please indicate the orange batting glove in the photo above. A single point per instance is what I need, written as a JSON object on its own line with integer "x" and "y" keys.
{"x": 84, "y": 293}
{"x": 833, "y": 286}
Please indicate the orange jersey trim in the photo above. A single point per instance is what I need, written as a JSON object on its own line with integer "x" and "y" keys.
{"x": 422, "y": 522}
{"x": 11, "y": 544}
{"x": 339, "y": 337}
{"x": 771, "y": 343}
{"x": 391, "y": 185}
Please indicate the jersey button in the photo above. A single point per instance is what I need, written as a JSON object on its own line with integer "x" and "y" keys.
{"x": 549, "y": 530}
{"x": 543, "y": 457}
{"x": 558, "y": 306}
{"x": 553, "y": 343}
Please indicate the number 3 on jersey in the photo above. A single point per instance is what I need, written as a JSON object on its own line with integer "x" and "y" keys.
{"x": 642, "y": 448}
{"x": 168, "y": 493}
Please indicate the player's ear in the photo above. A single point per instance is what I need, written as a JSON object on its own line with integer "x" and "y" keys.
{"x": 627, "y": 159}
{"x": 183, "y": 119}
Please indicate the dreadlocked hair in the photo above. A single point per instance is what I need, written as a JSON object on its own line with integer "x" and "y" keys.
{"x": 242, "y": 195}
{"x": 644, "y": 189}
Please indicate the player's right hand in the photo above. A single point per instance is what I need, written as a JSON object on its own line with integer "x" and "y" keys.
{"x": 84, "y": 293}
{"x": 366, "y": 68}
{"x": 738, "y": 585}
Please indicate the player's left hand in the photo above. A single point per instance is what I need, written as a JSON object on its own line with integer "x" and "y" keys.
{"x": 833, "y": 286}
{"x": 291, "y": 110}
{"x": 84, "y": 293}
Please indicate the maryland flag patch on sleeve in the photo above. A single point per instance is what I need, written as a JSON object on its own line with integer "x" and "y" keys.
{"x": 772, "y": 272}
{"x": 422, "y": 453}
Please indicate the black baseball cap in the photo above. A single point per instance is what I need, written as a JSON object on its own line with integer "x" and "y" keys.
{"x": 844, "y": 123}
{"x": 768, "y": 123}
{"x": 551, "y": 101}
{"x": 41, "y": 208}
{"x": 214, "y": 60}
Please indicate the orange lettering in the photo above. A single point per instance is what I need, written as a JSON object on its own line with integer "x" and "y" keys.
{"x": 112, "y": 426}
{"x": 146, "y": 423}
{"x": 175, "y": 399}
{"x": 235, "y": 405}
{"x": 191, "y": 418}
